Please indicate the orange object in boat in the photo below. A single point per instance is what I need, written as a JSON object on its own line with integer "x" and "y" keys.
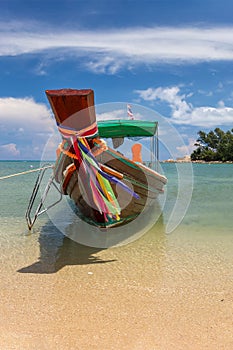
{"x": 136, "y": 151}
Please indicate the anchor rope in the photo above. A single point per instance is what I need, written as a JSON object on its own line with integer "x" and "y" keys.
{"x": 24, "y": 172}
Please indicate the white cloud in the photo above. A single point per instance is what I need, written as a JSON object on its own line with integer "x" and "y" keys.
{"x": 185, "y": 113}
{"x": 115, "y": 48}
{"x": 24, "y": 125}
{"x": 186, "y": 149}
{"x": 24, "y": 115}
{"x": 114, "y": 114}
{"x": 104, "y": 65}
{"x": 9, "y": 149}
{"x": 205, "y": 93}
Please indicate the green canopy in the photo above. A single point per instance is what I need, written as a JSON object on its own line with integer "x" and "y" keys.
{"x": 126, "y": 128}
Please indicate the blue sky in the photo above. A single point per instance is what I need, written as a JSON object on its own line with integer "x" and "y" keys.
{"x": 174, "y": 57}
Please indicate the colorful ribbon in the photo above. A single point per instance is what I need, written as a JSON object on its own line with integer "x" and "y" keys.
{"x": 102, "y": 194}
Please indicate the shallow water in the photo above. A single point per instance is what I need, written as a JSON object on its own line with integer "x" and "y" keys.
{"x": 162, "y": 291}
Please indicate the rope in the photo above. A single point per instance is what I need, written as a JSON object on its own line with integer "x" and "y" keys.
{"x": 24, "y": 172}
{"x": 102, "y": 147}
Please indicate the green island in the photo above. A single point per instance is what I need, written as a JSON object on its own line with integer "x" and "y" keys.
{"x": 214, "y": 146}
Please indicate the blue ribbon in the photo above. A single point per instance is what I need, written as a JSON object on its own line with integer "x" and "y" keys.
{"x": 110, "y": 178}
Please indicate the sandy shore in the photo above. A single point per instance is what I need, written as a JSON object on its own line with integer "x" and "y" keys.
{"x": 160, "y": 292}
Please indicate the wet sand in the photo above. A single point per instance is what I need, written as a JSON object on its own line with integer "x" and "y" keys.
{"x": 160, "y": 292}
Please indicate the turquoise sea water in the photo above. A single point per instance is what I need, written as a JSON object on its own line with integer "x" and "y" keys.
{"x": 209, "y": 212}
{"x": 210, "y": 208}
{"x": 211, "y": 203}
{"x": 161, "y": 291}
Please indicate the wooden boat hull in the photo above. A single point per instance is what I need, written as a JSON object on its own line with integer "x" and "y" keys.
{"x": 146, "y": 183}
{"x": 100, "y": 199}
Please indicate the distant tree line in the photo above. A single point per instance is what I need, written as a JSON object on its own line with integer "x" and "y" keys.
{"x": 216, "y": 145}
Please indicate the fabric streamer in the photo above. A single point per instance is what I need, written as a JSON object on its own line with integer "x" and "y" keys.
{"x": 110, "y": 178}
{"x": 102, "y": 192}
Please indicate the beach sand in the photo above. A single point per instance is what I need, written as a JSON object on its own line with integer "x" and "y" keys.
{"x": 160, "y": 292}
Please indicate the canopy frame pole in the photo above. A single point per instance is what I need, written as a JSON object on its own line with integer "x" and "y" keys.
{"x": 157, "y": 148}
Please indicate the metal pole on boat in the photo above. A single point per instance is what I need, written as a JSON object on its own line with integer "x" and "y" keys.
{"x": 151, "y": 151}
{"x": 157, "y": 148}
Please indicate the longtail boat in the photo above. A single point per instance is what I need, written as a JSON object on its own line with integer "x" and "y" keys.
{"x": 108, "y": 188}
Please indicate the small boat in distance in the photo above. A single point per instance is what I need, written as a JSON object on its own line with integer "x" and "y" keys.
{"x": 108, "y": 188}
